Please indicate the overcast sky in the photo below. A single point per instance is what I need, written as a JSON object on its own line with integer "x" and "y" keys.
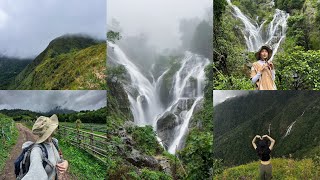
{"x": 27, "y": 27}
{"x": 159, "y": 19}
{"x": 43, "y": 101}
{"x": 220, "y": 96}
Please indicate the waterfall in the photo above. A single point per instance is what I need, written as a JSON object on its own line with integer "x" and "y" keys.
{"x": 186, "y": 93}
{"x": 255, "y": 35}
{"x": 291, "y": 125}
{"x": 144, "y": 103}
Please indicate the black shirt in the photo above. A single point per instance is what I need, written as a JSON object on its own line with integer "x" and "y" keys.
{"x": 264, "y": 154}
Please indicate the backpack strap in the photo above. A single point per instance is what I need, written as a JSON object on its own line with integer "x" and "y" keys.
{"x": 45, "y": 160}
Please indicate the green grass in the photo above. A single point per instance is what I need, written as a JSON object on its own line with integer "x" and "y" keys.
{"x": 100, "y": 129}
{"x": 81, "y": 164}
{"x": 8, "y": 138}
{"x": 281, "y": 169}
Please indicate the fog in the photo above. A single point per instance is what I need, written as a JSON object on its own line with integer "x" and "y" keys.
{"x": 157, "y": 19}
{"x": 44, "y": 101}
{"x": 221, "y": 96}
{"x": 27, "y": 27}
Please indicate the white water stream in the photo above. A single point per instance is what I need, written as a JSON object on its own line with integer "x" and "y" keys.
{"x": 256, "y": 35}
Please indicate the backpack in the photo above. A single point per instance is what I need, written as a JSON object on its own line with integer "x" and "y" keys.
{"x": 22, "y": 163}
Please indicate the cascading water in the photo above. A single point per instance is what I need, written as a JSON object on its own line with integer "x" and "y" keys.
{"x": 144, "y": 103}
{"x": 144, "y": 96}
{"x": 255, "y": 35}
{"x": 291, "y": 125}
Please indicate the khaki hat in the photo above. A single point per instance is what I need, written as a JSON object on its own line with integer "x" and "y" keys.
{"x": 266, "y": 47}
{"x": 44, "y": 127}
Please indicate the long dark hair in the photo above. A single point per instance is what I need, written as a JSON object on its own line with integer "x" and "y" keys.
{"x": 263, "y": 146}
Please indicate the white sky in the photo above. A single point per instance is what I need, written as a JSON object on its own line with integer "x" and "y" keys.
{"x": 159, "y": 19}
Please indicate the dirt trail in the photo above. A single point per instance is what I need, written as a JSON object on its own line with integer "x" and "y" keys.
{"x": 25, "y": 134}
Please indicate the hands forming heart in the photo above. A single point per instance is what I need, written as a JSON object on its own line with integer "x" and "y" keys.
{"x": 258, "y": 136}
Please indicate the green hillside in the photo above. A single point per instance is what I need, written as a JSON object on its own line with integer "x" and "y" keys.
{"x": 282, "y": 169}
{"x": 239, "y": 119}
{"x": 9, "y": 68}
{"x": 69, "y": 62}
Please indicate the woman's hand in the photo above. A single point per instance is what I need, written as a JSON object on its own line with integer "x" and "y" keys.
{"x": 271, "y": 65}
{"x": 264, "y": 136}
{"x": 62, "y": 167}
{"x": 257, "y": 136}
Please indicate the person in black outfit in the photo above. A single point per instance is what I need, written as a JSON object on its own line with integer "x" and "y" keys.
{"x": 263, "y": 149}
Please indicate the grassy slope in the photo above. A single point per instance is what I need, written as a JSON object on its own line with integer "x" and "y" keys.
{"x": 82, "y": 69}
{"x": 7, "y": 141}
{"x": 282, "y": 169}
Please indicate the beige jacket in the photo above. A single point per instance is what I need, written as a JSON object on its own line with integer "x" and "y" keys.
{"x": 266, "y": 78}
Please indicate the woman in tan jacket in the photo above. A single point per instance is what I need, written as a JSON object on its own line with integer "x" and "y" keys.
{"x": 262, "y": 71}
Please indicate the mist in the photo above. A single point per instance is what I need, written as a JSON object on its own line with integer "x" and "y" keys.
{"x": 157, "y": 20}
{"x": 220, "y": 96}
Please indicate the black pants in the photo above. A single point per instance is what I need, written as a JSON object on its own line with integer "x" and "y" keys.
{"x": 265, "y": 172}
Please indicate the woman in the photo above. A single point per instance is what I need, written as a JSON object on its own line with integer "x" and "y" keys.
{"x": 45, "y": 127}
{"x": 261, "y": 145}
{"x": 262, "y": 71}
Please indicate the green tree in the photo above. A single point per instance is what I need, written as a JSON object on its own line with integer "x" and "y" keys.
{"x": 113, "y": 36}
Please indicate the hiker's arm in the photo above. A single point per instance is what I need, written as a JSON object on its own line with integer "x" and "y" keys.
{"x": 255, "y": 75}
{"x": 254, "y": 142}
{"x": 36, "y": 170}
{"x": 272, "y": 141}
{"x": 255, "y": 78}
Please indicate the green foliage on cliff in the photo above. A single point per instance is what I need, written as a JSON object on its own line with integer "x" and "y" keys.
{"x": 146, "y": 139}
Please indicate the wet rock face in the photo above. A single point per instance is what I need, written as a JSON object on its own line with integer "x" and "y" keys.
{"x": 167, "y": 123}
{"x": 139, "y": 160}
{"x": 166, "y": 126}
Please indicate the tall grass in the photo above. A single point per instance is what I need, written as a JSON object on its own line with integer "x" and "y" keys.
{"x": 8, "y": 138}
{"x": 281, "y": 169}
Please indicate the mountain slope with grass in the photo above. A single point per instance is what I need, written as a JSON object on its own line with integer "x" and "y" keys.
{"x": 69, "y": 62}
{"x": 293, "y": 118}
{"x": 282, "y": 169}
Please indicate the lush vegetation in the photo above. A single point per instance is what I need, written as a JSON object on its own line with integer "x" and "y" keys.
{"x": 69, "y": 62}
{"x": 282, "y": 169}
{"x": 96, "y": 116}
{"x": 9, "y": 68}
{"x": 296, "y": 61}
{"x": 81, "y": 164}
{"x": 8, "y": 138}
{"x": 239, "y": 119}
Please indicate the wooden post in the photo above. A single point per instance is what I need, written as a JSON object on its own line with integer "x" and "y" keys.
{"x": 78, "y": 137}
{"x": 92, "y": 141}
